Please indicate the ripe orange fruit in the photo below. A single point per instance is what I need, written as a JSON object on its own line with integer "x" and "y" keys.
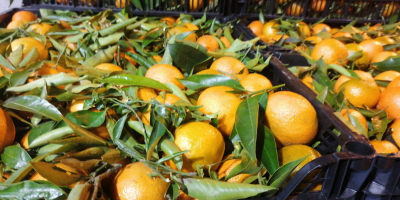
{"x": 303, "y": 29}
{"x": 109, "y": 67}
{"x": 41, "y": 28}
{"x": 133, "y": 182}
{"x": 101, "y": 131}
{"x": 24, "y": 15}
{"x": 28, "y": 44}
{"x": 123, "y": 55}
{"x": 7, "y": 130}
{"x": 313, "y": 39}
{"x": 361, "y": 63}
{"x": 255, "y": 82}
{"x": 387, "y": 75}
{"x": 231, "y": 67}
{"x": 381, "y": 56}
{"x": 385, "y": 40}
{"x": 256, "y": 27}
{"x": 342, "y": 34}
{"x": 209, "y": 42}
{"x": 196, "y": 5}
{"x": 270, "y": 29}
{"x": 76, "y": 105}
{"x": 146, "y": 94}
{"x": 204, "y": 142}
{"x": 320, "y": 27}
{"x": 370, "y": 46}
{"x": 332, "y": 51}
{"x": 122, "y": 3}
{"x": 181, "y": 29}
{"x": 342, "y": 78}
{"x": 390, "y": 99}
{"x": 277, "y": 37}
{"x": 384, "y": 146}
{"x": 361, "y": 93}
{"x": 168, "y": 99}
{"x": 356, "y": 114}
{"x": 168, "y": 20}
{"x": 395, "y": 127}
{"x": 291, "y": 118}
{"x": 217, "y": 99}
{"x": 226, "y": 167}
{"x": 390, "y": 9}
{"x": 16, "y": 24}
{"x": 308, "y": 81}
{"x": 209, "y": 71}
{"x": 294, "y": 9}
{"x": 157, "y": 58}
{"x": 394, "y": 83}
{"x": 225, "y": 41}
{"x": 294, "y": 152}
{"x": 318, "y": 5}
{"x": 165, "y": 73}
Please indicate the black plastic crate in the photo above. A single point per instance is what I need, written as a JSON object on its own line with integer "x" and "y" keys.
{"x": 335, "y": 11}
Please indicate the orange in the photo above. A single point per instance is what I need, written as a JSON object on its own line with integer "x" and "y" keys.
{"x": 24, "y": 15}
{"x": 123, "y": 55}
{"x": 24, "y": 141}
{"x": 390, "y": 9}
{"x": 37, "y": 177}
{"x": 387, "y": 75}
{"x": 303, "y": 29}
{"x": 361, "y": 92}
{"x": 204, "y": 142}
{"x": 381, "y": 56}
{"x": 383, "y": 146}
{"x": 48, "y": 69}
{"x": 370, "y": 46}
{"x": 356, "y": 114}
{"x": 146, "y": 94}
{"x": 41, "y": 28}
{"x": 342, "y": 78}
{"x": 16, "y": 24}
{"x": 385, "y": 40}
{"x": 278, "y": 37}
{"x": 180, "y": 29}
{"x": 76, "y": 105}
{"x": 361, "y": 63}
{"x": 209, "y": 71}
{"x": 122, "y": 3}
{"x": 313, "y": 39}
{"x": 308, "y": 81}
{"x": 225, "y": 41}
{"x": 395, "y": 128}
{"x": 231, "y": 67}
{"x": 28, "y": 44}
{"x": 168, "y": 20}
{"x": 294, "y": 9}
{"x": 334, "y": 30}
{"x": 165, "y": 73}
{"x": 342, "y": 34}
{"x": 270, "y": 29}
{"x": 191, "y": 27}
{"x": 256, "y": 27}
{"x": 255, "y": 82}
{"x": 291, "y": 118}
{"x": 157, "y": 58}
{"x": 294, "y": 152}
{"x": 217, "y": 99}
{"x": 109, "y": 67}
{"x": 226, "y": 167}
{"x": 101, "y": 131}
{"x": 320, "y": 27}
{"x": 7, "y": 130}
{"x": 390, "y": 101}
{"x": 332, "y": 51}
{"x": 209, "y": 42}
{"x": 196, "y": 5}
{"x": 133, "y": 183}
{"x": 168, "y": 99}
{"x": 318, "y": 5}
{"x": 394, "y": 83}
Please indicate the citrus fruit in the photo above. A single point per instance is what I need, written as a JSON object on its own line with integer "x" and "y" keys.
{"x": 24, "y": 15}
{"x": 334, "y": 30}
{"x": 385, "y": 40}
{"x": 270, "y": 29}
{"x": 383, "y": 146}
{"x": 157, "y": 58}
{"x": 226, "y": 167}
{"x": 255, "y": 82}
{"x": 361, "y": 63}
{"x": 165, "y": 73}
{"x": 218, "y": 99}
{"x": 204, "y": 142}
{"x": 355, "y": 114}
{"x": 123, "y": 55}
{"x": 225, "y": 41}
{"x": 209, "y": 42}
{"x": 41, "y": 28}
{"x": 209, "y": 71}
{"x": 109, "y": 67}
{"x": 303, "y": 29}
{"x": 370, "y": 46}
{"x": 387, "y": 75}
{"x": 196, "y": 5}
{"x": 291, "y": 118}
{"x": 28, "y": 44}
{"x": 361, "y": 92}
{"x": 101, "y": 131}
{"x": 318, "y": 5}
{"x": 16, "y": 24}
{"x": 168, "y": 20}
{"x": 133, "y": 182}
{"x": 332, "y": 51}
{"x": 146, "y": 94}
{"x": 321, "y": 27}
{"x": 180, "y": 29}
{"x": 342, "y": 79}
{"x": 231, "y": 67}
{"x": 342, "y": 34}
{"x": 308, "y": 81}
{"x": 291, "y": 153}
{"x": 390, "y": 8}
{"x": 294, "y": 9}
{"x": 381, "y": 56}
{"x": 7, "y": 130}
{"x": 313, "y": 39}
{"x": 256, "y": 27}
{"x": 390, "y": 101}
{"x": 395, "y": 128}
{"x": 122, "y": 3}
{"x": 394, "y": 83}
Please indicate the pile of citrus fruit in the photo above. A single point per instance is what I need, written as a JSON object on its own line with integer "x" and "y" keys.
{"x": 353, "y": 69}
{"x": 117, "y": 107}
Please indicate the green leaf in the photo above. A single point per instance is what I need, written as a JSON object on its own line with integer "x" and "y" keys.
{"x": 354, "y": 56}
{"x": 118, "y": 128}
{"x": 356, "y": 123}
{"x": 19, "y": 77}
{"x": 246, "y": 166}
{"x": 34, "y": 104}
{"x": 239, "y": 45}
{"x": 114, "y": 28}
{"x": 83, "y": 132}
{"x": 128, "y": 150}
{"x": 172, "y": 191}
{"x": 80, "y": 191}
{"x": 391, "y": 63}
{"x": 171, "y": 150}
{"x": 51, "y": 135}
{"x": 39, "y": 130}
{"x": 178, "y": 92}
{"x": 269, "y": 154}
{"x": 158, "y": 131}
{"x": 280, "y": 176}
{"x": 32, "y": 56}
{"x": 246, "y": 123}
{"x": 87, "y": 118}
{"x": 204, "y": 188}
{"x": 196, "y": 82}
{"x": 15, "y": 156}
{"x": 31, "y": 190}
{"x": 5, "y": 63}
{"x": 189, "y": 58}
{"x": 129, "y": 79}
{"x": 140, "y": 59}
{"x": 150, "y": 36}
{"x": 102, "y": 56}
{"x": 54, "y": 174}
{"x": 15, "y": 56}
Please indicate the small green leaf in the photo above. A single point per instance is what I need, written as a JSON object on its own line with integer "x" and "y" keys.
{"x": 269, "y": 154}
{"x": 15, "y": 156}
{"x": 87, "y": 118}
{"x": 128, "y": 150}
{"x": 280, "y": 176}
{"x": 118, "y": 128}
{"x": 158, "y": 131}
{"x": 129, "y": 79}
{"x": 391, "y": 63}
{"x": 196, "y": 82}
{"x": 83, "y": 132}
{"x": 102, "y": 56}
{"x": 31, "y": 190}
{"x": 140, "y": 59}
{"x": 186, "y": 60}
